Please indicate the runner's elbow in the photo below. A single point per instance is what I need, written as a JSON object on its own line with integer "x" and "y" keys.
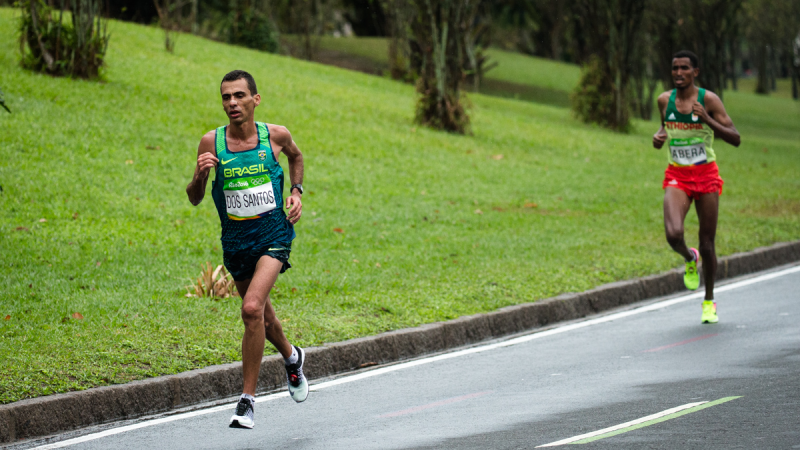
{"x": 193, "y": 199}
{"x": 296, "y": 155}
{"x": 196, "y": 200}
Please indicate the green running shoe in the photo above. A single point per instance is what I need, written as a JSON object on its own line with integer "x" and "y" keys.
{"x": 709, "y": 312}
{"x": 690, "y": 277}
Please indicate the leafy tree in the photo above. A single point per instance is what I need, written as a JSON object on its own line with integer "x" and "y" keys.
{"x": 541, "y": 25}
{"x": 770, "y": 27}
{"x": 406, "y": 58}
{"x": 602, "y": 93}
{"x": 370, "y": 17}
{"x": 251, "y": 26}
{"x": 706, "y": 27}
{"x": 477, "y": 37}
{"x": 439, "y": 29}
{"x": 397, "y": 14}
{"x": 307, "y": 18}
{"x": 171, "y": 19}
{"x": 76, "y": 48}
{"x": 643, "y": 74}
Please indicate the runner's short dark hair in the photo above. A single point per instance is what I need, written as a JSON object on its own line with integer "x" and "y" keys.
{"x": 687, "y": 54}
{"x": 241, "y": 74}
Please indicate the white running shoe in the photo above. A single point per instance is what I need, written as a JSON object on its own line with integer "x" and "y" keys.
{"x": 243, "y": 417}
{"x": 298, "y": 385}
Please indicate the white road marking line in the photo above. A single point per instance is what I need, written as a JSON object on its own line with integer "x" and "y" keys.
{"x": 623, "y": 425}
{"x": 419, "y": 362}
{"x": 167, "y": 419}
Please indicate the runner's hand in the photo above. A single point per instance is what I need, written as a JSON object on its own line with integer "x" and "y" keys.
{"x": 700, "y": 111}
{"x": 659, "y": 138}
{"x": 204, "y": 164}
{"x": 295, "y": 207}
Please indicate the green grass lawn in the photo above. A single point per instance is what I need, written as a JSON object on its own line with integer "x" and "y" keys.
{"x": 374, "y": 48}
{"x": 783, "y": 88}
{"x": 94, "y": 218}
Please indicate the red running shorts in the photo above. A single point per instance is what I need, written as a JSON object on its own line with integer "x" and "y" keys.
{"x": 694, "y": 180}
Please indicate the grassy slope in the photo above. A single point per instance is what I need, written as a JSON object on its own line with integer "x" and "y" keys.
{"x": 548, "y": 78}
{"x": 512, "y": 67}
{"x": 414, "y": 248}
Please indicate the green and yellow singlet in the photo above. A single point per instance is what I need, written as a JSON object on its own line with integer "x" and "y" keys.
{"x": 248, "y": 194}
{"x": 690, "y": 140}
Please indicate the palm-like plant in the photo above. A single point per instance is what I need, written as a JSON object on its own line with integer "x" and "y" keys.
{"x": 214, "y": 283}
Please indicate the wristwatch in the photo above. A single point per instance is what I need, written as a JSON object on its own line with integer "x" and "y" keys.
{"x": 297, "y": 186}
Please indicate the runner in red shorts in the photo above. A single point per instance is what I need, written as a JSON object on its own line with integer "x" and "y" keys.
{"x": 690, "y": 119}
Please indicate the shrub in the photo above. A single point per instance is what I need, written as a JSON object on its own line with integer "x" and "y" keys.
{"x": 442, "y": 65}
{"x": 257, "y": 32}
{"x": 50, "y": 45}
{"x": 595, "y": 99}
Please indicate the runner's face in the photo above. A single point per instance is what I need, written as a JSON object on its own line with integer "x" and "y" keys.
{"x": 237, "y": 101}
{"x": 683, "y": 74}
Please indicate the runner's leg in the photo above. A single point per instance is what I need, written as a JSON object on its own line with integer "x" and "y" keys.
{"x": 676, "y": 205}
{"x": 259, "y": 320}
{"x": 707, "y": 207}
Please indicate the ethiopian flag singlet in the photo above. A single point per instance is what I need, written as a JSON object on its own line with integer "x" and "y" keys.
{"x": 248, "y": 194}
{"x": 690, "y": 140}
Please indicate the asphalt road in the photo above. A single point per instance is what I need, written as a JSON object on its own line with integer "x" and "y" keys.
{"x": 548, "y": 386}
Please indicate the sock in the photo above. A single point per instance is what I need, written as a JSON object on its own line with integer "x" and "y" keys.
{"x": 249, "y": 397}
{"x": 694, "y": 257}
{"x": 293, "y": 358}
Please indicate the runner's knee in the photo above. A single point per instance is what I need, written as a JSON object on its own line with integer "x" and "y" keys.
{"x": 252, "y": 313}
{"x": 674, "y": 235}
{"x": 706, "y": 247}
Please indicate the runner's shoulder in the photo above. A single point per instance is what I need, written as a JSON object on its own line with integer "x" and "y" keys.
{"x": 279, "y": 134}
{"x": 663, "y": 99}
{"x": 712, "y": 97}
{"x": 208, "y": 142}
{"x": 664, "y": 95}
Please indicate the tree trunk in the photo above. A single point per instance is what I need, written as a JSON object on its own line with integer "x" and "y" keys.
{"x": 795, "y": 65}
{"x": 439, "y": 29}
{"x": 397, "y": 13}
{"x": 48, "y": 59}
{"x": 194, "y": 17}
{"x": 602, "y": 94}
{"x": 774, "y": 68}
{"x": 736, "y": 57}
{"x": 762, "y": 58}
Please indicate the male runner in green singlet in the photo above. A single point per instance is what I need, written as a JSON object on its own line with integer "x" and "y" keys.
{"x": 256, "y": 233}
{"x": 690, "y": 119}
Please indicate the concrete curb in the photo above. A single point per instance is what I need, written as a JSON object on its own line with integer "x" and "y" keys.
{"x": 59, "y": 413}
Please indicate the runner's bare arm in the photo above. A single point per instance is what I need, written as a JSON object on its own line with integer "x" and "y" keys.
{"x": 661, "y": 135}
{"x": 717, "y": 118}
{"x": 283, "y": 140}
{"x": 206, "y": 160}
